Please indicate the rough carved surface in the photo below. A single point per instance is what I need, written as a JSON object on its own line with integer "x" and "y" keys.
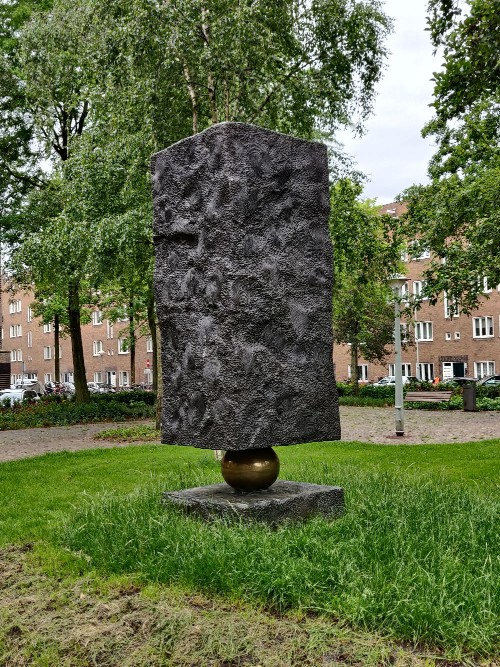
{"x": 243, "y": 284}
{"x": 282, "y": 501}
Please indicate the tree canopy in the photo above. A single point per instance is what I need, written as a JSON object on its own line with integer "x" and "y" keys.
{"x": 457, "y": 215}
{"x": 365, "y": 256}
{"x": 89, "y": 91}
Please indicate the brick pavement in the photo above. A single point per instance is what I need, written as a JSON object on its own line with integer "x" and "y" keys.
{"x": 374, "y": 425}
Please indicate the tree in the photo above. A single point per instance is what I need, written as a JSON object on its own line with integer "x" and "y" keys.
{"x": 365, "y": 256}
{"x": 289, "y": 65}
{"x": 104, "y": 84}
{"x": 457, "y": 215}
{"x": 51, "y": 75}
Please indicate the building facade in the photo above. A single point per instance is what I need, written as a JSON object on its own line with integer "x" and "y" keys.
{"x": 107, "y": 359}
{"x": 441, "y": 344}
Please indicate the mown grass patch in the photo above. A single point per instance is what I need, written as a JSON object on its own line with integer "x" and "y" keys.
{"x": 413, "y": 558}
{"x": 136, "y": 433}
{"x": 416, "y": 555}
{"x": 51, "y": 620}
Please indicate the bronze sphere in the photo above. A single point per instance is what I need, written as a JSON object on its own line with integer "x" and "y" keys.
{"x": 250, "y": 469}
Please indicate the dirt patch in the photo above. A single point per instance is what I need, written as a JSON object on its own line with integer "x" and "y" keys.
{"x": 54, "y": 621}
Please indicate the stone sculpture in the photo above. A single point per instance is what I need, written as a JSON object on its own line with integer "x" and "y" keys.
{"x": 243, "y": 284}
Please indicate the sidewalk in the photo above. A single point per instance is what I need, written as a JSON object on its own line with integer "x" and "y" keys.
{"x": 375, "y": 425}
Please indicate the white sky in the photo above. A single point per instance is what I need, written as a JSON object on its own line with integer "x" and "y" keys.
{"x": 392, "y": 152}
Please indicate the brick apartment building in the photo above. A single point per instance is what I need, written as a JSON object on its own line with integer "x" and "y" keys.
{"x": 31, "y": 347}
{"x": 442, "y": 346}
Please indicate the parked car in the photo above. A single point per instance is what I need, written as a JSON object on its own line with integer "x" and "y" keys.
{"x": 461, "y": 380}
{"x": 95, "y": 388}
{"x": 17, "y": 395}
{"x": 391, "y": 380}
{"x": 489, "y": 381}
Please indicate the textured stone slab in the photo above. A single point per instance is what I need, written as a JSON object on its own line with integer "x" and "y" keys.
{"x": 243, "y": 284}
{"x": 284, "y": 500}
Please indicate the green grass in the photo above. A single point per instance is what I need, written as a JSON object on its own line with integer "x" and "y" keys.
{"x": 415, "y": 556}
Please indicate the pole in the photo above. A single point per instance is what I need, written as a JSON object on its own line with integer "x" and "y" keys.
{"x": 398, "y": 403}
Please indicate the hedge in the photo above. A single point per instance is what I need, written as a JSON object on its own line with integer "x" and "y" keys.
{"x": 60, "y": 411}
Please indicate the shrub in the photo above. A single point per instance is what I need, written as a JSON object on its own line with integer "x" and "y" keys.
{"x": 60, "y": 411}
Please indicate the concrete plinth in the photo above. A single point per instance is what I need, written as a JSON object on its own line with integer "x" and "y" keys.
{"x": 283, "y": 500}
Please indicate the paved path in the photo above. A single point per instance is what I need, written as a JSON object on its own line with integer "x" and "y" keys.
{"x": 366, "y": 424}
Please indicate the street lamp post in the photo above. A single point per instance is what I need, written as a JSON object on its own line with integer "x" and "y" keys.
{"x": 396, "y": 283}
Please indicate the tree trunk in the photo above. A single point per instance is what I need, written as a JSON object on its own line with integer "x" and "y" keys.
{"x": 57, "y": 361}
{"x": 131, "y": 333}
{"x": 354, "y": 369}
{"x": 79, "y": 376}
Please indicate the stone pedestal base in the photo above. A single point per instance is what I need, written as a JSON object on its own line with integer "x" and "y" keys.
{"x": 283, "y": 500}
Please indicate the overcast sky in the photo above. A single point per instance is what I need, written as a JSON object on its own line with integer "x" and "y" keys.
{"x": 392, "y": 152}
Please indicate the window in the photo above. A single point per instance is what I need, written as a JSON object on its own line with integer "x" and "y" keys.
{"x": 109, "y": 329}
{"x": 405, "y": 369}
{"x": 484, "y": 368}
{"x": 149, "y": 344}
{"x": 47, "y": 328}
{"x": 447, "y": 335}
{"x": 450, "y": 307}
{"x": 68, "y": 376}
{"x": 123, "y": 379}
{"x": 486, "y": 288}
{"x": 15, "y": 330}
{"x": 30, "y": 339}
{"x": 13, "y": 355}
{"x": 15, "y": 306}
{"x": 96, "y": 317}
{"x": 423, "y": 331}
{"x": 362, "y": 372}
{"x": 417, "y": 252}
{"x": 47, "y": 377}
{"x": 404, "y": 292}
{"x": 29, "y": 314}
{"x": 457, "y": 335}
{"x": 19, "y": 355}
{"x": 482, "y": 327}
{"x": 425, "y": 372}
{"x": 405, "y": 333}
{"x": 97, "y": 348}
{"x": 122, "y": 346}
{"x": 98, "y": 377}
{"x": 47, "y": 352}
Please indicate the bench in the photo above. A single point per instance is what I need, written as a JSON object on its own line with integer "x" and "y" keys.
{"x": 428, "y": 396}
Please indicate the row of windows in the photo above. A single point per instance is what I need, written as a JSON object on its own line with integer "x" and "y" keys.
{"x": 482, "y": 327}
{"x": 16, "y": 307}
{"x": 98, "y": 348}
{"x": 425, "y": 370}
{"x": 110, "y": 378}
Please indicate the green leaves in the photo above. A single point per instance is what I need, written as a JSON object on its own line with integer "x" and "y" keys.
{"x": 365, "y": 255}
{"x": 457, "y": 216}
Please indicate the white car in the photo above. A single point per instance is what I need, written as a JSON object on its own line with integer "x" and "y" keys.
{"x": 18, "y": 395}
{"x": 390, "y": 380}
{"x": 95, "y": 388}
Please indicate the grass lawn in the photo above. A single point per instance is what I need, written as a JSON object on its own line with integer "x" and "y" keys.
{"x": 415, "y": 559}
